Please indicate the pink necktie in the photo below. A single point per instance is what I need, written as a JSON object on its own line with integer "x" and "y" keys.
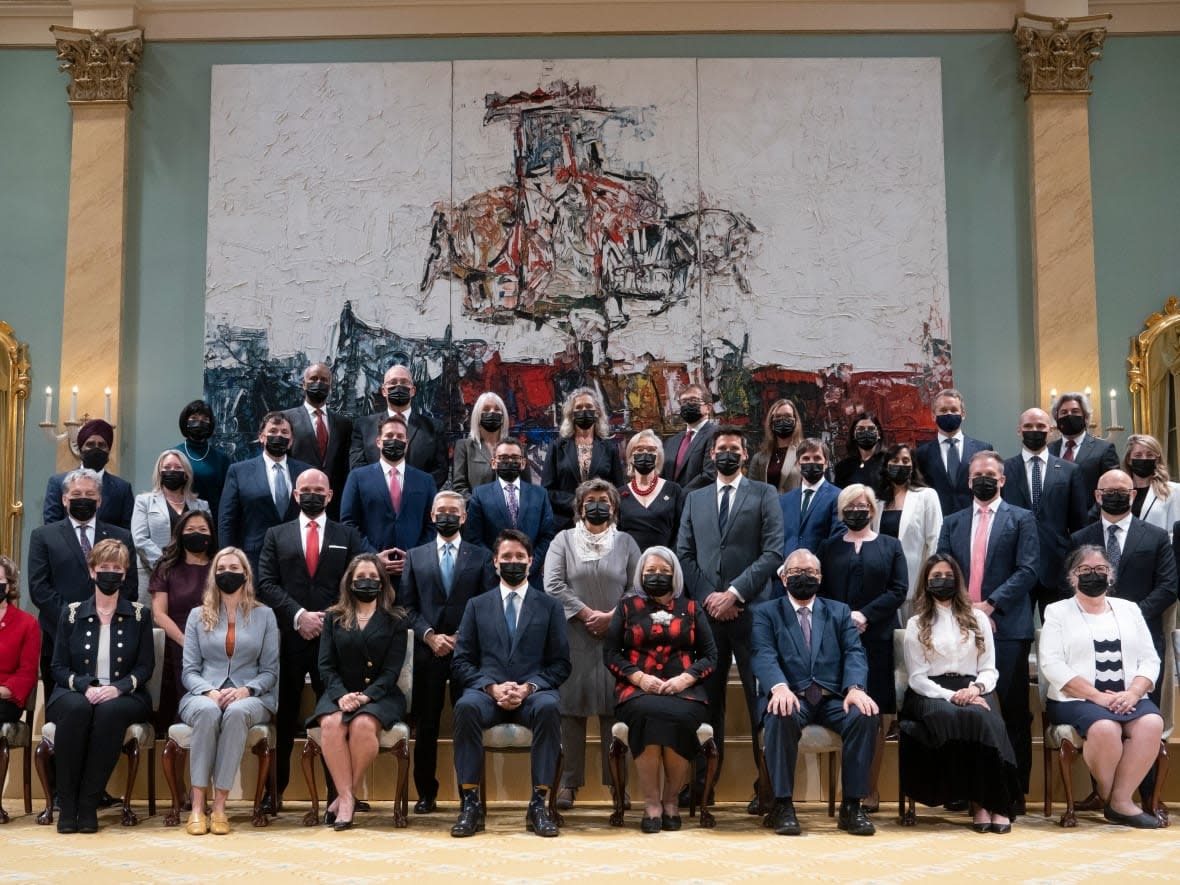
{"x": 979, "y": 556}
{"x": 395, "y": 491}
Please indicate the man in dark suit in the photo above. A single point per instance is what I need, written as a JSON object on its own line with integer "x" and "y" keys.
{"x": 426, "y": 444}
{"x": 95, "y": 439}
{"x": 257, "y": 492}
{"x": 439, "y": 580}
{"x": 810, "y": 514}
{"x": 944, "y": 459}
{"x": 730, "y": 542}
{"x": 996, "y": 545}
{"x": 319, "y": 436}
{"x": 1052, "y": 490}
{"x": 299, "y": 573}
{"x": 687, "y": 461}
{"x": 511, "y": 654}
{"x": 509, "y": 502}
{"x": 811, "y": 668}
{"x": 389, "y": 502}
{"x": 1093, "y": 456}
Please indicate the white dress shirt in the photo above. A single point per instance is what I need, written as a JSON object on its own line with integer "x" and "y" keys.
{"x": 400, "y": 467}
{"x": 504, "y": 489}
{"x": 950, "y": 652}
{"x": 270, "y": 471}
{"x": 320, "y": 521}
{"x": 1043, "y": 454}
{"x": 323, "y": 410}
{"x": 1123, "y": 524}
{"x": 943, "y": 448}
{"x": 90, "y": 529}
{"x": 440, "y": 544}
{"x": 519, "y": 591}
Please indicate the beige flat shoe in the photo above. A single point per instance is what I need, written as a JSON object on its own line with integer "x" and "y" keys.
{"x": 198, "y": 825}
{"x": 218, "y": 824}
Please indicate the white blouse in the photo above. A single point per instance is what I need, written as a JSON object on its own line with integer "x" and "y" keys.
{"x": 950, "y": 653}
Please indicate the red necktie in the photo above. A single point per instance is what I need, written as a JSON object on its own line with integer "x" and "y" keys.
{"x": 682, "y": 452}
{"x": 321, "y": 435}
{"x": 979, "y": 556}
{"x": 313, "y": 547}
{"x": 1069, "y": 449}
{"x": 395, "y": 490}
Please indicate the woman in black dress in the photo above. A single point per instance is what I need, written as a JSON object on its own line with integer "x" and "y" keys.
{"x": 362, "y": 649}
{"x": 649, "y": 506}
{"x": 582, "y": 451}
{"x": 866, "y": 453}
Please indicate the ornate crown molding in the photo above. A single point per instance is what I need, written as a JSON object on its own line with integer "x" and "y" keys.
{"x": 1056, "y": 53}
{"x": 101, "y": 63}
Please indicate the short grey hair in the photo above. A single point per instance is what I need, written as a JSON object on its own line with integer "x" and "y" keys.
{"x": 799, "y": 553}
{"x": 80, "y": 473}
{"x": 667, "y": 556}
{"x": 651, "y": 436}
{"x": 601, "y": 429}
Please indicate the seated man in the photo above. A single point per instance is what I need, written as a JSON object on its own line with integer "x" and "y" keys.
{"x": 511, "y": 654}
{"x": 806, "y": 683}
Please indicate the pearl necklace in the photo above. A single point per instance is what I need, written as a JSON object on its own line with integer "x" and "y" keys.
{"x": 191, "y": 456}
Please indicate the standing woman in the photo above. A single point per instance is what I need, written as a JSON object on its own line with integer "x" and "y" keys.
{"x": 209, "y": 464}
{"x": 362, "y": 649}
{"x": 867, "y": 572}
{"x": 866, "y": 453}
{"x": 910, "y": 512}
{"x": 20, "y": 646}
{"x": 157, "y": 512}
{"x": 1157, "y": 498}
{"x": 231, "y": 668}
{"x": 475, "y": 453}
{"x": 781, "y": 434}
{"x": 649, "y": 506}
{"x": 103, "y": 657}
{"x": 581, "y": 452}
{"x": 587, "y": 569}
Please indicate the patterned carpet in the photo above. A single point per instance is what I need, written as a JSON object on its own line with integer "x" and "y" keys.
{"x": 589, "y": 849}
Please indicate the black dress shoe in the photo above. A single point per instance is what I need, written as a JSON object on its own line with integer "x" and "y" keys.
{"x": 650, "y": 825}
{"x": 362, "y": 806}
{"x": 470, "y": 819}
{"x": 106, "y": 800}
{"x": 684, "y": 798}
{"x": 329, "y": 818}
{"x": 537, "y": 819}
{"x": 341, "y": 825}
{"x": 755, "y": 807}
{"x": 670, "y": 822}
{"x": 1140, "y": 821}
{"x": 1019, "y": 808}
{"x": 982, "y": 827}
{"x": 1001, "y": 829}
{"x": 425, "y": 805}
{"x": 267, "y": 805}
{"x": 67, "y": 824}
{"x": 854, "y": 820}
{"x": 782, "y": 818}
{"x": 87, "y": 820}
{"x": 956, "y": 805}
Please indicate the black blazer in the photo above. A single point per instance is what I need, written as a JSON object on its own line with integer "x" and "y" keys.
{"x": 884, "y": 581}
{"x": 1062, "y": 511}
{"x": 133, "y": 650}
{"x": 1094, "y": 457}
{"x": 58, "y": 573}
{"x": 562, "y": 476}
{"x": 247, "y": 509}
{"x": 849, "y": 471}
{"x": 368, "y": 661}
{"x": 426, "y": 446}
{"x": 304, "y": 448}
{"x": 539, "y": 654}
{"x": 698, "y": 469}
{"x": 953, "y": 493}
{"x": 118, "y": 501}
{"x": 423, "y": 594}
{"x": 283, "y": 581}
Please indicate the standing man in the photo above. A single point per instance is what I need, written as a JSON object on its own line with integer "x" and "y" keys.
{"x": 730, "y": 542}
{"x": 511, "y": 654}
{"x": 441, "y": 577}
{"x": 95, "y": 439}
{"x": 944, "y": 459}
{"x": 426, "y": 444}
{"x": 686, "y": 455}
{"x": 996, "y": 545}
{"x": 319, "y": 436}
{"x": 1093, "y": 456}
{"x": 1052, "y": 490}
{"x": 810, "y": 514}
{"x": 299, "y": 573}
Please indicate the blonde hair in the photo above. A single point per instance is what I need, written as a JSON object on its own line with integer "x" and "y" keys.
{"x": 185, "y": 465}
{"x": 211, "y": 598}
{"x": 109, "y": 550}
{"x": 854, "y": 491}
{"x": 1161, "y": 477}
{"x": 649, "y": 435}
{"x": 601, "y": 428}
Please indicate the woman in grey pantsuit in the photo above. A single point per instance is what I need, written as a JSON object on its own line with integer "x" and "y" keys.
{"x": 231, "y": 668}
{"x": 588, "y": 569}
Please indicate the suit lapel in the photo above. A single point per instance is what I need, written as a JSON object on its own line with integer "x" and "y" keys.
{"x": 738, "y": 502}
{"x": 805, "y": 515}
{"x": 961, "y": 542}
{"x": 819, "y": 619}
{"x": 261, "y": 475}
{"x": 1134, "y": 539}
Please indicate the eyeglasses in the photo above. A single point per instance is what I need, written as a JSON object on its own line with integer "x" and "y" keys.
{"x": 692, "y": 401}
{"x": 799, "y": 572}
{"x": 509, "y": 462}
{"x": 1084, "y": 570}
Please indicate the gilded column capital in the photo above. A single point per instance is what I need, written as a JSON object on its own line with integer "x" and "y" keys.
{"x": 1056, "y": 53}
{"x": 101, "y": 63}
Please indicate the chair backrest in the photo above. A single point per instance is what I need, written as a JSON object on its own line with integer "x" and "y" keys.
{"x": 405, "y": 679}
{"x": 901, "y": 675}
{"x": 158, "y": 670}
{"x": 1167, "y": 678}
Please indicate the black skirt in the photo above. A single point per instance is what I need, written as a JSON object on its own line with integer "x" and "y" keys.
{"x": 880, "y": 688}
{"x": 949, "y": 752}
{"x": 662, "y": 721}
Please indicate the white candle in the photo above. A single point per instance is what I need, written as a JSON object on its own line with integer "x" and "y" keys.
{"x": 1088, "y": 391}
{"x": 49, "y": 405}
{"x": 74, "y": 404}
{"x": 107, "y": 410}
{"x": 1114, "y": 408}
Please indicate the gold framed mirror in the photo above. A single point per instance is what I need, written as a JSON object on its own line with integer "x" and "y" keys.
{"x": 1153, "y": 376}
{"x": 14, "y": 401}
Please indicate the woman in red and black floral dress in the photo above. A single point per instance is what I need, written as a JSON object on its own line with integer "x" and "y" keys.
{"x": 659, "y": 648}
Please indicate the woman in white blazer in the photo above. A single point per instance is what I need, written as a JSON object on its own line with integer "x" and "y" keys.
{"x": 1098, "y": 662}
{"x": 1158, "y": 498}
{"x": 910, "y": 512}
{"x": 156, "y": 512}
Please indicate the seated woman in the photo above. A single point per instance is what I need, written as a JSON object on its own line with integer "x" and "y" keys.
{"x": 20, "y": 646}
{"x": 1097, "y": 657}
{"x": 103, "y": 656}
{"x": 362, "y": 649}
{"x": 231, "y": 668}
{"x": 660, "y": 650}
{"x": 953, "y": 742}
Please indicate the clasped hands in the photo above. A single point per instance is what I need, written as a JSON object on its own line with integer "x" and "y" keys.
{"x": 655, "y": 685}
{"x": 784, "y": 702}
{"x": 98, "y": 694}
{"x": 721, "y": 605}
{"x": 595, "y": 621}
{"x": 311, "y": 624}
{"x": 223, "y": 697}
{"x": 508, "y": 695}
{"x": 442, "y": 644}
{"x": 1120, "y": 701}
{"x": 352, "y": 701}
{"x": 394, "y": 560}
{"x": 965, "y": 697}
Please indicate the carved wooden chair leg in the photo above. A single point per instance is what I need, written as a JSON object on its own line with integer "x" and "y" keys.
{"x": 1158, "y": 808}
{"x": 152, "y": 780}
{"x": 710, "y": 750}
{"x": 171, "y": 751}
{"x": 617, "y": 762}
{"x": 401, "y": 803}
{"x": 3, "y": 774}
{"x": 131, "y": 751}
{"x": 262, "y": 751}
{"x": 311, "y": 751}
{"x": 28, "y": 771}
{"x": 765, "y": 787}
{"x": 1067, "y": 754}
{"x": 1047, "y": 764}
{"x": 44, "y": 756}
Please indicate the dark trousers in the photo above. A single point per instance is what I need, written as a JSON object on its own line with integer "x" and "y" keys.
{"x": 1012, "y": 693}
{"x": 47, "y": 683}
{"x": 733, "y": 643}
{"x": 431, "y": 675}
{"x": 475, "y": 710}
{"x": 294, "y": 666}
{"x": 857, "y": 731}
{"x": 86, "y": 748}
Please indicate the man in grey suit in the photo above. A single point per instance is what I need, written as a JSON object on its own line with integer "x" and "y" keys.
{"x": 319, "y": 436}
{"x": 730, "y": 543}
{"x": 1093, "y": 456}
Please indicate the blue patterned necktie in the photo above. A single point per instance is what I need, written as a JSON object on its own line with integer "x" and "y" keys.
{"x": 1036, "y": 484}
{"x": 282, "y": 493}
{"x": 1113, "y": 553}
{"x": 510, "y": 616}
{"x": 513, "y": 505}
{"x": 448, "y": 567}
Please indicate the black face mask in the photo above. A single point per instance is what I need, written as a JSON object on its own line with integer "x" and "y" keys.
{"x": 82, "y": 509}
{"x": 1093, "y": 585}
{"x": 783, "y": 427}
{"x": 317, "y": 394}
{"x": 866, "y": 439}
{"x": 899, "y": 474}
{"x": 1071, "y": 425}
{"x": 365, "y": 589}
{"x": 1144, "y": 468}
{"x": 398, "y": 395}
{"x": 1034, "y": 440}
{"x": 173, "y": 480}
{"x": 949, "y": 422}
{"x": 802, "y": 587}
{"x": 690, "y": 413}
{"x": 198, "y": 431}
{"x": 195, "y": 542}
{"x": 656, "y": 585}
{"x": 513, "y": 573}
{"x": 857, "y": 519}
{"x": 584, "y": 419}
{"x": 728, "y": 463}
{"x": 942, "y": 589}
{"x": 229, "y": 582}
{"x": 984, "y": 488}
{"x": 108, "y": 583}
{"x": 643, "y": 462}
{"x": 447, "y": 524}
{"x": 312, "y": 504}
{"x": 812, "y": 472}
{"x": 491, "y": 421}
{"x": 508, "y": 472}
{"x": 1116, "y": 503}
{"x": 393, "y": 449}
{"x": 596, "y": 513}
{"x": 277, "y": 445}
{"x": 95, "y": 459}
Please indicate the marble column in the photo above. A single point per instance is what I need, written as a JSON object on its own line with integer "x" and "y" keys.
{"x": 102, "y": 66}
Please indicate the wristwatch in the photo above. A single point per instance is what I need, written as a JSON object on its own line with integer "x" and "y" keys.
{"x": 979, "y": 685}
{"x": 253, "y": 691}
{"x": 853, "y": 688}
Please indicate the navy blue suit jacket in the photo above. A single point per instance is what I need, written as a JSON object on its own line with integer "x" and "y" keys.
{"x": 810, "y": 529}
{"x": 1062, "y": 511}
{"x": 423, "y": 594}
{"x": 778, "y": 654}
{"x": 540, "y": 652}
{"x": 952, "y": 495}
{"x": 367, "y": 506}
{"x": 487, "y": 516}
{"x": 118, "y": 501}
{"x": 1010, "y": 573}
{"x": 247, "y": 507}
